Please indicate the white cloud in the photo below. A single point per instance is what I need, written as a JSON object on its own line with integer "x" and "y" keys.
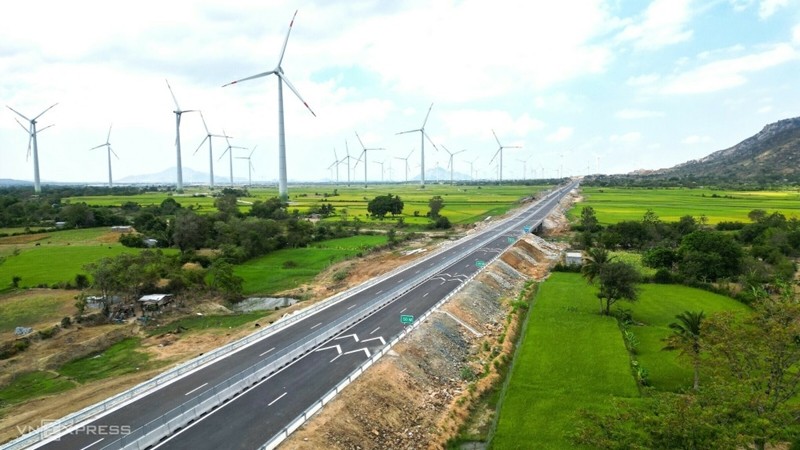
{"x": 764, "y": 109}
{"x": 796, "y": 34}
{"x": 694, "y": 140}
{"x": 627, "y": 138}
{"x": 560, "y": 135}
{"x": 769, "y": 7}
{"x": 728, "y": 73}
{"x": 663, "y": 23}
{"x": 632, "y": 114}
{"x": 643, "y": 80}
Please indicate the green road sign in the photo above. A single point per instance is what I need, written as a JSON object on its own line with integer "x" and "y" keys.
{"x": 406, "y": 319}
{"x": 480, "y": 263}
{"x": 511, "y": 240}
{"x": 527, "y": 229}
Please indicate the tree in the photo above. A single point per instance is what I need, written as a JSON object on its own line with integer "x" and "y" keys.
{"x": 224, "y": 280}
{"x": 227, "y": 205}
{"x": 169, "y": 206}
{"x": 273, "y": 208}
{"x": 617, "y": 282}
{"x": 190, "y": 230}
{"x": 686, "y": 338}
{"x": 385, "y": 204}
{"x": 436, "y": 203}
{"x": 709, "y": 255}
{"x": 660, "y": 258}
{"x": 589, "y": 220}
{"x": 594, "y": 260}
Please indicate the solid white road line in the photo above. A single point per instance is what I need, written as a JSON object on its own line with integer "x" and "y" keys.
{"x": 273, "y": 402}
{"x": 379, "y": 292}
{"x": 95, "y": 442}
{"x": 373, "y": 331}
{"x": 426, "y": 294}
{"x": 273, "y": 348}
{"x": 351, "y": 306}
{"x": 315, "y": 326}
{"x": 403, "y": 309}
{"x": 198, "y": 387}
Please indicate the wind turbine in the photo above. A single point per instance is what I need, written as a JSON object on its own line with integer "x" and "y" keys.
{"x": 348, "y": 158}
{"x": 472, "y": 169}
{"x": 406, "y": 161}
{"x": 381, "y": 164}
{"x": 249, "y": 167}
{"x": 229, "y": 151}
{"x": 364, "y": 153}
{"x": 178, "y": 111}
{"x": 499, "y": 151}
{"x": 336, "y": 163}
{"x": 450, "y": 161}
{"x": 283, "y": 190}
{"x": 31, "y": 130}
{"x": 109, "y": 151}
{"x": 422, "y": 137}
{"x": 524, "y": 167}
{"x": 208, "y": 138}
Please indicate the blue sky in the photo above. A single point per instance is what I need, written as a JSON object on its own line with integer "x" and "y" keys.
{"x": 590, "y": 85}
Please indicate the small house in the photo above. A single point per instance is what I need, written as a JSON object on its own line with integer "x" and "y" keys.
{"x": 150, "y": 243}
{"x": 573, "y": 258}
{"x": 60, "y": 225}
{"x": 155, "y": 300}
{"x": 122, "y": 228}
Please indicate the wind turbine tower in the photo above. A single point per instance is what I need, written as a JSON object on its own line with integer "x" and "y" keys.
{"x": 249, "y": 167}
{"x": 336, "y": 162}
{"x": 109, "y": 151}
{"x": 208, "y": 138}
{"x": 499, "y": 151}
{"x": 32, "y": 133}
{"x": 283, "y": 189}
{"x": 178, "y": 112}
{"x": 347, "y": 158}
{"x": 422, "y": 137}
{"x": 524, "y": 167}
{"x": 229, "y": 151}
{"x": 450, "y": 161}
{"x": 364, "y": 154}
{"x": 381, "y": 163}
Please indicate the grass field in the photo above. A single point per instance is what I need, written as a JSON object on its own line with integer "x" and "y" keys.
{"x": 613, "y": 205}
{"x": 211, "y": 322}
{"x": 119, "y": 359}
{"x": 463, "y": 204}
{"x": 288, "y": 268}
{"x": 37, "y": 307}
{"x": 59, "y": 256}
{"x": 572, "y": 358}
{"x": 33, "y": 384}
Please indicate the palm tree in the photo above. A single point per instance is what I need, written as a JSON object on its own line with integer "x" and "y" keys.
{"x": 594, "y": 260}
{"x": 686, "y": 337}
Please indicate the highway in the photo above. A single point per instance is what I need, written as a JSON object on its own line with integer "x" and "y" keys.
{"x": 255, "y": 416}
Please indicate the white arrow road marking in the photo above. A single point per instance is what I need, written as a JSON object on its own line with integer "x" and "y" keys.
{"x": 338, "y": 350}
{"x": 380, "y": 338}
{"x": 273, "y": 348}
{"x": 354, "y": 336}
{"x": 365, "y": 350}
{"x": 273, "y": 402}
{"x": 198, "y": 387}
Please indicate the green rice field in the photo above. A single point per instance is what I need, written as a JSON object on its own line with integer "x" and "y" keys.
{"x": 572, "y": 358}
{"x": 288, "y": 268}
{"x": 613, "y": 205}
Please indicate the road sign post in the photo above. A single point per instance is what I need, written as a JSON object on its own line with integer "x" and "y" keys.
{"x": 406, "y": 319}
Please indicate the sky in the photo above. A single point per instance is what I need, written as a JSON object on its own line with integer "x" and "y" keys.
{"x": 583, "y": 86}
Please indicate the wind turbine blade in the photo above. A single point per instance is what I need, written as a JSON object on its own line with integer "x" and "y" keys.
{"x": 112, "y": 151}
{"x": 460, "y": 151}
{"x": 201, "y": 144}
{"x": 429, "y": 140}
{"x": 498, "y": 140}
{"x": 30, "y": 139}
{"x": 95, "y": 148}
{"x": 360, "y": 142}
{"x": 223, "y": 153}
{"x": 204, "y": 123}
{"x": 406, "y": 132}
{"x": 177, "y": 107}
{"x": 108, "y": 138}
{"x": 18, "y": 113}
{"x": 286, "y": 41}
{"x": 27, "y": 130}
{"x": 286, "y": 80}
{"x": 251, "y": 77}
{"x": 512, "y": 146}
{"x": 347, "y": 148}
{"x": 42, "y": 129}
{"x": 495, "y": 155}
{"x": 48, "y": 109}
{"x": 410, "y": 153}
{"x": 253, "y": 151}
{"x": 426, "y": 116}
{"x": 448, "y": 151}
{"x": 335, "y": 155}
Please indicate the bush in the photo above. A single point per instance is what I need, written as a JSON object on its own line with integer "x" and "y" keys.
{"x": 133, "y": 240}
{"x": 9, "y": 349}
{"x": 663, "y": 276}
{"x": 48, "y": 333}
{"x": 441, "y": 223}
{"x": 66, "y": 322}
{"x": 289, "y": 264}
{"x": 81, "y": 281}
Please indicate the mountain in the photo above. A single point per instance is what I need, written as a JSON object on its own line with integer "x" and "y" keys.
{"x": 773, "y": 153}
{"x": 168, "y": 176}
{"x": 441, "y": 174}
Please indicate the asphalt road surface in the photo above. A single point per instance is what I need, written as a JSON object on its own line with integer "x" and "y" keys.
{"x": 254, "y": 417}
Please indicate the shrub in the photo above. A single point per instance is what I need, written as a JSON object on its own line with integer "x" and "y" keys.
{"x": 81, "y": 281}
{"x": 66, "y": 322}
{"x": 48, "y": 333}
{"x": 663, "y": 276}
{"x": 467, "y": 374}
{"x": 289, "y": 264}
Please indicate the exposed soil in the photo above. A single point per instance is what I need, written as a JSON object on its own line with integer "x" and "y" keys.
{"x": 420, "y": 394}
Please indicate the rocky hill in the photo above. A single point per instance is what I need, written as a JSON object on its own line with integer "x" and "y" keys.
{"x": 773, "y": 153}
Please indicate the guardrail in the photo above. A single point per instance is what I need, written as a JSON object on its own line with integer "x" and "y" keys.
{"x": 275, "y": 362}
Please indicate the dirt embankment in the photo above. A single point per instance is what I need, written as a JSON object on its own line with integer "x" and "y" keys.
{"x": 419, "y": 395}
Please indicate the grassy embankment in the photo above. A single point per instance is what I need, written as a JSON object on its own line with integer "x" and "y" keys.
{"x": 573, "y": 358}
{"x": 613, "y": 205}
